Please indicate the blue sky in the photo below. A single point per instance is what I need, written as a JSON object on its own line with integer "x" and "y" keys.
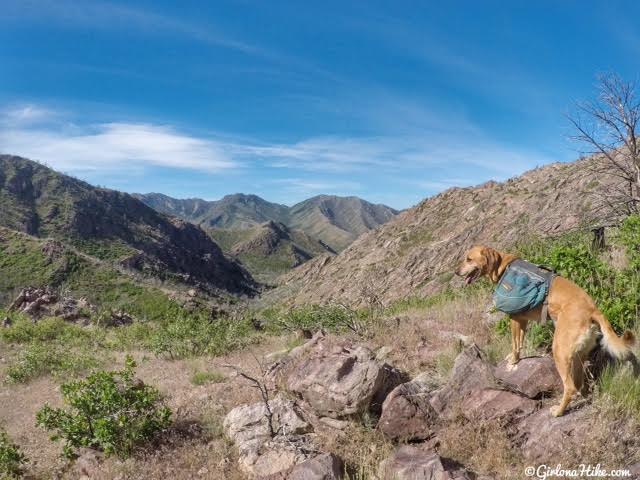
{"x": 390, "y": 101}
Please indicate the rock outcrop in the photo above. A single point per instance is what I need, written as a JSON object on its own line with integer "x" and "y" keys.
{"x": 342, "y": 381}
{"x": 412, "y": 463}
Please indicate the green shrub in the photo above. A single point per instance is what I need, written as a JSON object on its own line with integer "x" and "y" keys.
{"x": 196, "y": 335}
{"x": 619, "y": 389}
{"x": 629, "y": 237}
{"x": 334, "y": 318}
{"x": 12, "y": 460}
{"x": 616, "y": 292}
{"x": 109, "y": 411}
{"x": 40, "y": 359}
{"x": 200, "y": 378}
{"x": 25, "y": 330}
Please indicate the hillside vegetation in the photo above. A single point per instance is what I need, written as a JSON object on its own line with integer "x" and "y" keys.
{"x": 270, "y": 249}
{"x": 113, "y": 226}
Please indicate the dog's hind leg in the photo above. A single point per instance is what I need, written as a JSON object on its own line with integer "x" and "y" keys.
{"x": 568, "y": 344}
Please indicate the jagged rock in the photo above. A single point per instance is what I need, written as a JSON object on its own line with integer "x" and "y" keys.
{"x": 542, "y": 436}
{"x": 342, "y": 382}
{"x": 266, "y": 449}
{"x": 406, "y": 412}
{"x": 470, "y": 372}
{"x": 39, "y": 302}
{"x": 490, "y": 404}
{"x": 326, "y": 466}
{"x": 411, "y": 463}
{"x": 116, "y": 319}
{"x": 52, "y": 249}
{"x": 532, "y": 376}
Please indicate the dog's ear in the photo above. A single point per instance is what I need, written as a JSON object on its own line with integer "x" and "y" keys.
{"x": 493, "y": 259}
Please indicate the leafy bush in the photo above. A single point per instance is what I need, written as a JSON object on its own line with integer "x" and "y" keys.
{"x": 12, "y": 459}
{"x": 629, "y": 237}
{"x": 109, "y": 411}
{"x": 40, "y": 359}
{"x": 196, "y": 335}
{"x": 616, "y": 292}
{"x": 335, "y": 318}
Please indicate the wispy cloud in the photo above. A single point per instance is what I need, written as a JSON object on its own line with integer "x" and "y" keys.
{"x": 330, "y": 163}
{"x": 113, "y": 146}
{"x": 113, "y": 16}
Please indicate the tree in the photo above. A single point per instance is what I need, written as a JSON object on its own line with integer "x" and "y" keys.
{"x": 608, "y": 128}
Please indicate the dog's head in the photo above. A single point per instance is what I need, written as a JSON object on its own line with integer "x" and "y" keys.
{"x": 479, "y": 261}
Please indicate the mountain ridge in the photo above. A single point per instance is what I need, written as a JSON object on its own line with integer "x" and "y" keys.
{"x": 334, "y": 220}
{"x": 113, "y": 225}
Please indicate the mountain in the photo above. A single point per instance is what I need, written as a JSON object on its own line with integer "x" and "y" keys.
{"x": 269, "y": 249}
{"x": 415, "y": 253}
{"x": 232, "y": 211}
{"x": 113, "y": 226}
{"x": 336, "y": 221}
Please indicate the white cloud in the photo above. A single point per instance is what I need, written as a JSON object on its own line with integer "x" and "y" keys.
{"x": 48, "y": 136}
{"x": 115, "y": 146}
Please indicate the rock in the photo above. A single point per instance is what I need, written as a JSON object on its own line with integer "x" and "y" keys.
{"x": 264, "y": 450}
{"x": 406, "y": 413}
{"x": 39, "y": 302}
{"x": 383, "y": 353}
{"x": 52, "y": 249}
{"x": 470, "y": 372}
{"x": 342, "y": 382}
{"x": 192, "y": 292}
{"x": 532, "y": 376}
{"x": 411, "y": 463}
{"x": 6, "y": 322}
{"x": 334, "y": 423}
{"x": 326, "y": 466}
{"x": 248, "y": 422}
{"x": 490, "y": 404}
{"x": 542, "y": 436}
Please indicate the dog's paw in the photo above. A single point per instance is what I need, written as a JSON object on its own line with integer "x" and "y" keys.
{"x": 556, "y": 411}
{"x": 512, "y": 361}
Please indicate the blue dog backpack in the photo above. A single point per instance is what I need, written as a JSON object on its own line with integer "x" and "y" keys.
{"x": 522, "y": 287}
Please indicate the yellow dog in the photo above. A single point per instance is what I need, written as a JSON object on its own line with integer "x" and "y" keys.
{"x": 575, "y": 314}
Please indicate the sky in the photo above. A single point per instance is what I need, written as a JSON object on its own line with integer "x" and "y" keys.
{"x": 389, "y": 101}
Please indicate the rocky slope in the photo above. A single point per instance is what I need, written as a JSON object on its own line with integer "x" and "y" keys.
{"x": 269, "y": 249}
{"x": 112, "y": 226}
{"x": 336, "y": 221}
{"x": 414, "y": 254}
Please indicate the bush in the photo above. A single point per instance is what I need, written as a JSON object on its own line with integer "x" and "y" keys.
{"x": 197, "y": 335}
{"x": 40, "y": 359}
{"x": 109, "y": 411}
{"x": 11, "y": 459}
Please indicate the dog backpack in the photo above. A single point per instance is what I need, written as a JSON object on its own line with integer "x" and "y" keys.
{"x": 522, "y": 287}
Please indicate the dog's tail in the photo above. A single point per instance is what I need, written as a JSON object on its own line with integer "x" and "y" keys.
{"x": 619, "y": 347}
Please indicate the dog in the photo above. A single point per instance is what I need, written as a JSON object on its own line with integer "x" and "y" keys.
{"x": 576, "y": 316}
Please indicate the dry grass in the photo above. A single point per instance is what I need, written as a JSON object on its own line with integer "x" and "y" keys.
{"x": 482, "y": 446}
{"x": 362, "y": 448}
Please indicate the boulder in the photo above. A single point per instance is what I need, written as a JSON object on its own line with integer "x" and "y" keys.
{"x": 542, "y": 436}
{"x": 532, "y": 376}
{"x": 411, "y": 463}
{"x": 491, "y": 404}
{"x": 325, "y": 466}
{"x": 407, "y": 414}
{"x": 341, "y": 382}
{"x": 268, "y": 447}
{"x": 470, "y": 372}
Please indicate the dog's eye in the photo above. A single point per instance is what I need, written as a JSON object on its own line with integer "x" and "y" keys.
{"x": 468, "y": 259}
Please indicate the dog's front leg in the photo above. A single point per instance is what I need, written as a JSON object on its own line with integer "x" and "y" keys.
{"x": 518, "y": 330}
